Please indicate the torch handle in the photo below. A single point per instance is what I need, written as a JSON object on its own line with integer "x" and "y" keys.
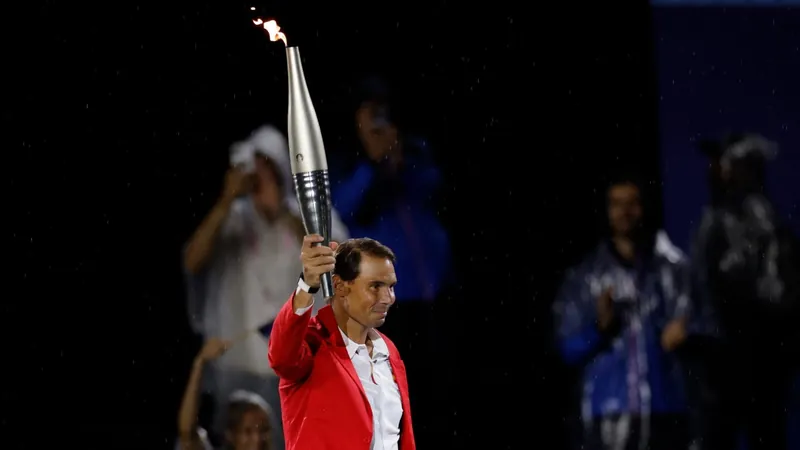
{"x": 314, "y": 198}
{"x": 326, "y": 279}
{"x": 327, "y": 285}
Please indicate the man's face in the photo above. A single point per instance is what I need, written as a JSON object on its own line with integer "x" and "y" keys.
{"x": 378, "y": 138}
{"x": 624, "y": 209}
{"x": 253, "y": 432}
{"x": 266, "y": 188}
{"x": 367, "y": 299}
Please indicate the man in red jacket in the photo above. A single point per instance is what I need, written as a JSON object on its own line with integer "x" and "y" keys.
{"x": 343, "y": 385}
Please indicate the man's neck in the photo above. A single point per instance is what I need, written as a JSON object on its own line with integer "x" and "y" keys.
{"x": 355, "y": 331}
{"x": 625, "y": 247}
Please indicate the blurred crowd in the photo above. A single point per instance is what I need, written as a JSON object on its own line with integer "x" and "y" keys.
{"x": 670, "y": 351}
{"x": 677, "y": 351}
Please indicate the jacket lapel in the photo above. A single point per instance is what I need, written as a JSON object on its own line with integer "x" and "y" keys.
{"x": 325, "y": 316}
{"x": 407, "y": 441}
{"x": 399, "y": 374}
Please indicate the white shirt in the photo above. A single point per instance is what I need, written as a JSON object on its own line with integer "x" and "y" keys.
{"x": 376, "y": 377}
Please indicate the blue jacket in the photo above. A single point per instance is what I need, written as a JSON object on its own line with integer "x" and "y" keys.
{"x": 398, "y": 211}
{"x": 627, "y": 372}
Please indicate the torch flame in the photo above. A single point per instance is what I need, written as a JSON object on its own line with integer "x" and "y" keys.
{"x": 273, "y": 29}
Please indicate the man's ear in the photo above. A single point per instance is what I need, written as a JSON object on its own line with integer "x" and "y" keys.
{"x": 340, "y": 287}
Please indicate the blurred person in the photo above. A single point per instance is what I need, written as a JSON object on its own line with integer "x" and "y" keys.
{"x": 620, "y": 317}
{"x": 746, "y": 282}
{"x": 248, "y": 418}
{"x": 390, "y": 196}
{"x": 343, "y": 383}
{"x": 240, "y": 263}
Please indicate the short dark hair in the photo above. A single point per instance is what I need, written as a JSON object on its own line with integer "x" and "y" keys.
{"x": 348, "y": 256}
{"x": 625, "y": 179}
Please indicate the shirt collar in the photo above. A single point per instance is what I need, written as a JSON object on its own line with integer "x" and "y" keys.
{"x": 379, "y": 348}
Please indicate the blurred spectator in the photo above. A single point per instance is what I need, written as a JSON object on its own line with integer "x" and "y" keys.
{"x": 248, "y": 418}
{"x": 619, "y": 316}
{"x": 390, "y": 196}
{"x": 241, "y": 262}
{"x": 746, "y": 282}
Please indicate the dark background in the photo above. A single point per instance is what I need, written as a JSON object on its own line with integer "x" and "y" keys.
{"x": 119, "y": 118}
{"x": 723, "y": 70}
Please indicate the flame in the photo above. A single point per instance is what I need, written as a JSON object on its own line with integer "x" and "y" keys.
{"x": 273, "y": 29}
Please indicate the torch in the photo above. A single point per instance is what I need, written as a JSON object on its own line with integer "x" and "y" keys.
{"x": 306, "y": 150}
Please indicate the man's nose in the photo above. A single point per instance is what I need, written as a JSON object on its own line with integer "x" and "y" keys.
{"x": 386, "y": 297}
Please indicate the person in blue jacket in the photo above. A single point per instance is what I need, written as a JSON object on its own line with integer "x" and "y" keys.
{"x": 619, "y": 316}
{"x": 390, "y": 194}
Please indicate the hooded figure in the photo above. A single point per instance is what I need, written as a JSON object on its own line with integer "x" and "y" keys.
{"x": 269, "y": 142}
{"x": 745, "y": 291}
{"x": 252, "y": 269}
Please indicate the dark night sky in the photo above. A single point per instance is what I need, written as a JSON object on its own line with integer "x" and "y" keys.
{"x": 119, "y": 121}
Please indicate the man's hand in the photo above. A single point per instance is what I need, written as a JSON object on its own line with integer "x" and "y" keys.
{"x": 316, "y": 260}
{"x": 237, "y": 182}
{"x": 212, "y": 349}
{"x": 605, "y": 309}
{"x": 674, "y": 334}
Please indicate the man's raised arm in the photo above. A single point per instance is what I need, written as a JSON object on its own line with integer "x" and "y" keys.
{"x": 290, "y": 354}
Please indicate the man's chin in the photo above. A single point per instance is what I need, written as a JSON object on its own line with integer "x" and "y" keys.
{"x": 379, "y": 321}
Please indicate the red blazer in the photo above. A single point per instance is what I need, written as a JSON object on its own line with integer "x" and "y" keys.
{"x": 322, "y": 400}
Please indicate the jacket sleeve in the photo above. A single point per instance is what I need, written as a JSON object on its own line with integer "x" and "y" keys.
{"x": 577, "y": 336}
{"x": 290, "y": 354}
{"x": 348, "y": 194}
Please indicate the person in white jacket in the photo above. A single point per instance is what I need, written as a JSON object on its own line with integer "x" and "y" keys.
{"x": 241, "y": 263}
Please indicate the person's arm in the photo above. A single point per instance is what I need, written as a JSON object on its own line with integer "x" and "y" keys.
{"x": 579, "y": 335}
{"x": 290, "y": 355}
{"x": 679, "y": 313}
{"x": 201, "y": 245}
{"x": 349, "y": 193}
{"x": 187, "y": 415}
{"x": 426, "y": 176}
